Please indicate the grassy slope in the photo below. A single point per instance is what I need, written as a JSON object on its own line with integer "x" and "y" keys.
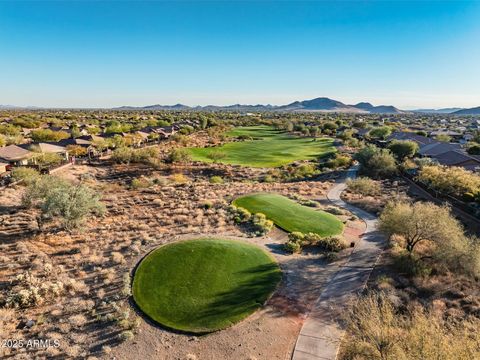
{"x": 204, "y": 285}
{"x": 289, "y": 215}
{"x": 270, "y": 148}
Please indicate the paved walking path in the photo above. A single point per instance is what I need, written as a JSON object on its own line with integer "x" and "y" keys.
{"x": 321, "y": 333}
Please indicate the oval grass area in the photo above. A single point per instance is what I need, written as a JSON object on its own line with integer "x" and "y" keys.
{"x": 204, "y": 285}
{"x": 289, "y": 215}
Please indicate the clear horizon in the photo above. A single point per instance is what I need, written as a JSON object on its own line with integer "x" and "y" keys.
{"x": 107, "y": 54}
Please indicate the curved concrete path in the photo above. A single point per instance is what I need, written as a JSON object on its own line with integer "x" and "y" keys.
{"x": 321, "y": 333}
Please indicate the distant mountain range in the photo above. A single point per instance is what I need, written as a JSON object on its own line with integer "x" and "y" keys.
{"x": 453, "y": 111}
{"x": 471, "y": 111}
{"x": 438, "y": 111}
{"x": 320, "y": 104}
{"x": 13, "y": 107}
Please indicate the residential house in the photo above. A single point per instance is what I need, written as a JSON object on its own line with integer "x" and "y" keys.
{"x": 450, "y": 133}
{"x": 83, "y": 141}
{"x": 167, "y": 131}
{"x": 15, "y": 155}
{"x": 49, "y": 148}
{"x": 460, "y": 159}
{"x": 143, "y": 135}
{"x": 437, "y": 148}
{"x": 411, "y": 136}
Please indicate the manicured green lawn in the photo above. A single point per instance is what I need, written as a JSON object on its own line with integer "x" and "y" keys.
{"x": 289, "y": 215}
{"x": 269, "y": 148}
{"x": 204, "y": 285}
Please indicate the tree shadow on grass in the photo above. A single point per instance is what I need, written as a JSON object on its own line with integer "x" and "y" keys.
{"x": 243, "y": 300}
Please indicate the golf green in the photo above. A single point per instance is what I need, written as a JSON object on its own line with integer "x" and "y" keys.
{"x": 268, "y": 148}
{"x": 204, "y": 285}
{"x": 289, "y": 215}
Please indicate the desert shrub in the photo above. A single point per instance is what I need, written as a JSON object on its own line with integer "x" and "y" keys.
{"x": 335, "y": 210}
{"x": 186, "y": 130}
{"x": 126, "y": 155}
{"x": 296, "y": 240}
{"x": 381, "y": 132}
{"x": 311, "y": 239}
{"x": 403, "y": 148}
{"x": 376, "y": 162}
{"x": 25, "y": 174}
{"x": 450, "y": 180}
{"x": 240, "y": 215}
{"x": 216, "y": 180}
{"x": 180, "y": 139}
{"x": 30, "y": 290}
{"x": 45, "y": 160}
{"x": 179, "y": 156}
{"x": 58, "y": 198}
{"x": 179, "y": 178}
{"x": 461, "y": 254}
{"x": 303, "y": 171}
{"x": 141, "y": 183}
{"x": 149, "y": 156}
{"x": 10, "y": 130}
{"x": 126, "y": 335}
{"x": 126, "y": 280}
{"x": 268, "y": 179}
{"x": 261, "y": 224}
{"x": 122, "y": 155}
{"x": 339, "y": 161}
{"x": 76, "y": 150}
{"x": 363, "y": 186}
{"x": 309, "y": 203}
{"x": 330, "y": 243}
{"x": 293, "y": 247}
{"x": 296, "y": 236}
{"x": 47, "y": 135}
{"x": 378, "y": 330}
{"x": 410, "y": 264}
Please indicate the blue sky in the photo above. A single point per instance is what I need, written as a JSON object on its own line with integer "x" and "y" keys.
{"x": 81, "y": 53}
